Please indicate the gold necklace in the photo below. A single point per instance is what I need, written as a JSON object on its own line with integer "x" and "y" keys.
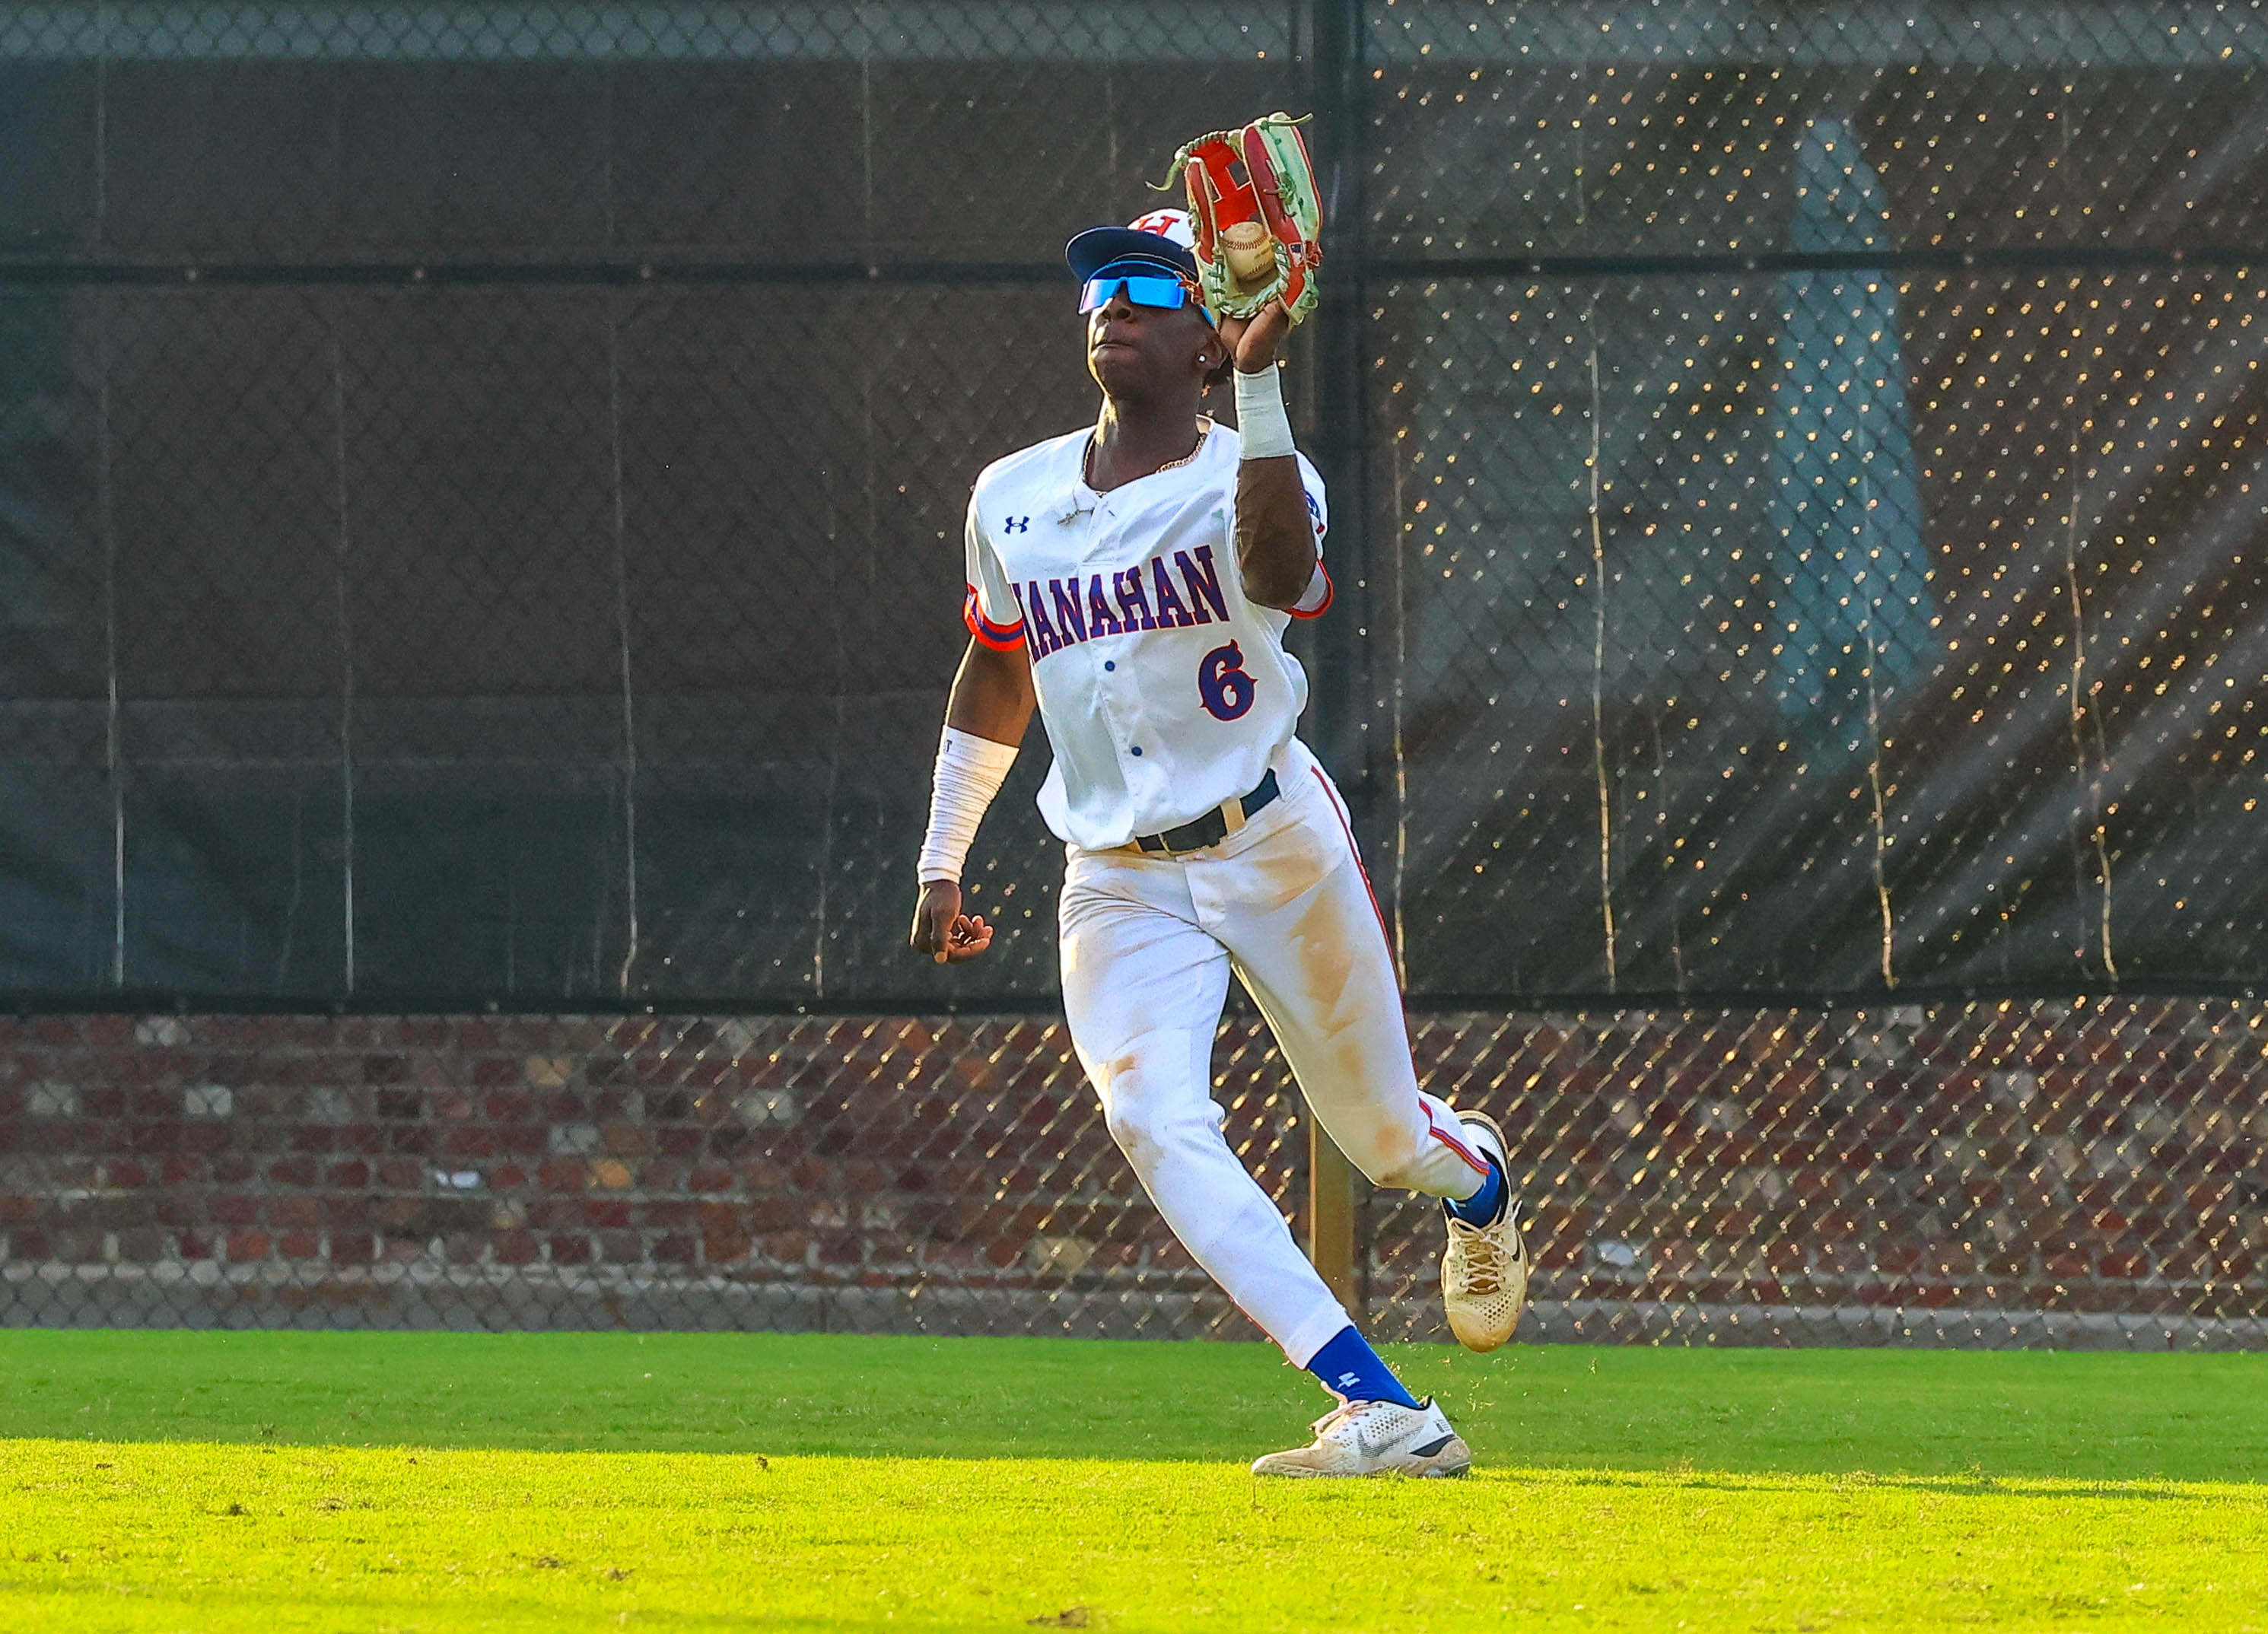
{"x": 1204, "y": 431}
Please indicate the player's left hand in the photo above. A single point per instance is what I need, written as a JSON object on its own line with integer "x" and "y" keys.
{"x": 1252, "y": 341}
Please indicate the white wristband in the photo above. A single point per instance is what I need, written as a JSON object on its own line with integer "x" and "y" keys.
{"x": 1262, "y": 426}
{"x": 969, "y": 772}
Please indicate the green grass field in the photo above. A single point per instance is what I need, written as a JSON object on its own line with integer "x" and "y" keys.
{"x": 276, "y": 1482}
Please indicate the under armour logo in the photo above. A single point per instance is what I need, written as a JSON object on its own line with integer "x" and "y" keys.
{"x": 1348, "y": 1380}
{"x": 1017, "y": 525}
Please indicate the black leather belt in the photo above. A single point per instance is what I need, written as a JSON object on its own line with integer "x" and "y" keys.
{"x": 1215, "y": 826}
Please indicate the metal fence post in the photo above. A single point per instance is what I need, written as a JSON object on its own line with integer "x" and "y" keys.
{"x": 1344, "y": 672}
{"x": 1341, "y": 449}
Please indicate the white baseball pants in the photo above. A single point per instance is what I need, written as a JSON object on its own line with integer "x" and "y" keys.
{"x": 1147, "y": 945}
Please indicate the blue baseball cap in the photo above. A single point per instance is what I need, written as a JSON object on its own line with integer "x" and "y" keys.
{"x": 1162, "y": 239}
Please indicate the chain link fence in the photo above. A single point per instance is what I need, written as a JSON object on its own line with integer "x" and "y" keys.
{"x": 480, "y": 493}
{"x": 2076, "y": 1174}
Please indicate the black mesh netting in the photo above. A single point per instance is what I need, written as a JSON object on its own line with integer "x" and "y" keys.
{"x": 481, "y": 491}
{"x": 482, "y": 484}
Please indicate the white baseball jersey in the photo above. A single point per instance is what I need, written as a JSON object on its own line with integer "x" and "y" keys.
{"x": 1164, "y": 689}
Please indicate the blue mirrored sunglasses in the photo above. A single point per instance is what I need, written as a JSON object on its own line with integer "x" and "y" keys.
{"x": 1169, "y": 294}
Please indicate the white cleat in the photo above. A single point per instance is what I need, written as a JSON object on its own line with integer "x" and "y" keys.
{"x": 1375, "y": 1438}
{"x": 1484, "y": 1268}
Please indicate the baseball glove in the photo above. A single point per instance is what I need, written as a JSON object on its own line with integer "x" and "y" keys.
{"x": 1256, "y": 216}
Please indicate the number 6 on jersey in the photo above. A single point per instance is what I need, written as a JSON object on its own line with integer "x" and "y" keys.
{"x": 1223, "y": 684}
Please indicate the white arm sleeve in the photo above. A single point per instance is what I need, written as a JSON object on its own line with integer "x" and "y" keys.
{"x": 969, "y": 772}
{"x": 1263, "y": 430}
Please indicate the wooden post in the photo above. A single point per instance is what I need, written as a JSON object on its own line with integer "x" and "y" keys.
{"x": 1330, "y": 1218}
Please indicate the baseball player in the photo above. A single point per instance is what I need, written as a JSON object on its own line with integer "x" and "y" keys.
{"x": 1135, "y": 579}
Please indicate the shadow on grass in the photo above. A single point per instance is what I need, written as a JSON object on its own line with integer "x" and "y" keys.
{"x": 1928, "y": 1415}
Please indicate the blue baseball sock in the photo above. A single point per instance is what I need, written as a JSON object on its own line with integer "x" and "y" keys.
{"x": 1348, "y": 1367}
{"x": 1483, "y": 1207}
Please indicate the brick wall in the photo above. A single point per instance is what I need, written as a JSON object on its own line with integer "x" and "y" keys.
{"x": 1978, "y": 1172}
{"x": 2037, "y": 1172}
{"x": 510, "y": 1171}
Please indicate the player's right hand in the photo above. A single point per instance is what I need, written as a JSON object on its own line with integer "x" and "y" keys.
{"x": 941, "y": 930}
{"x": 1253, "y": 341}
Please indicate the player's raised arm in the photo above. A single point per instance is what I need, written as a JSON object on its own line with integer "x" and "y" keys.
{"x": 1275, "y": 540}
{"x": 984, "y": 722}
